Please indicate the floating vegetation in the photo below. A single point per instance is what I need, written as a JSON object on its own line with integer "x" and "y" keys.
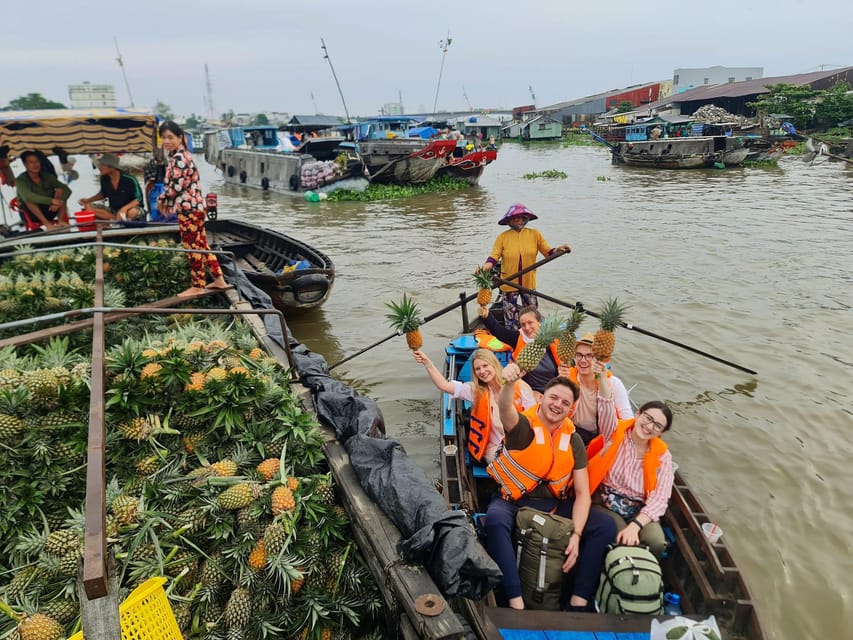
{"x": 602, "y": 178}
{"x": 577, "y": 138}
{"x": 760, "y": 163}
{"x": 395, "y": 191}
{"x": 551, "y": 174}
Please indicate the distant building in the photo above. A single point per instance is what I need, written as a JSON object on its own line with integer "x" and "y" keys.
{"x": 241, "y": 119}
{"x": 683, "y": 79}
{"x": 392, "y": 109}
{"x": 90, "y": 96}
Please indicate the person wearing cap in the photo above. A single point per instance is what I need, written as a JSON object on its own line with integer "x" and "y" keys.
{"x": 587, "y": 372}
{"x": 516, "y": 249}
{"x": 121, "y": 192}
{"x": 41, "y": 192}
{"x": 631, "y": 474}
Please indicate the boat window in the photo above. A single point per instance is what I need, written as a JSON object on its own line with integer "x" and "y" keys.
{"x": 262, "y": 167}
{"x": 731, "y": 79}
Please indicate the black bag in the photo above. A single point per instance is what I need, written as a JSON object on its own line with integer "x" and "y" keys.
{"x": 541, "y": 541}
{"x": 631, "y": 582}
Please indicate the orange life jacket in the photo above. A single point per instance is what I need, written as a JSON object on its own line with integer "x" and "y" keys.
{"x": 602, "y": 456}
{"x": 481, "y": 422}
{"x": 518, "y": 472}
{"x": 486, "y": 340}
{"x": 521, "y": 344}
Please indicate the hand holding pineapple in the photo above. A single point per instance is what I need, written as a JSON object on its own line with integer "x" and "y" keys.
{"x": 405, "y": 318}
{"x": 483, "y": 280}
{"x": 533, "y": 352}
{"x": 604, "y": 340}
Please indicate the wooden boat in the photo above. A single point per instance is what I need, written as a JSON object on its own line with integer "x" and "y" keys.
{"x": 295, "y": 275}
{"x": 704, "y": 574}
{"x": 404, "y": 160}
{"x": 691, "y": 152}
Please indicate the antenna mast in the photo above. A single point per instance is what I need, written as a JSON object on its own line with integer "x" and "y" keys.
{"x": 532, "y": 95}
{"x": 316, "y": 111}
{"x": 335, "y": 76}
{"x": 123, "y": 73}
{"x": 443, "y": 45}
{"x": 467, "y": 101}
{"x": 211, "y": 108}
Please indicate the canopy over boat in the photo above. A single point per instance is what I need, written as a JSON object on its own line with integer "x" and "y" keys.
{"x": 78, "y": 131}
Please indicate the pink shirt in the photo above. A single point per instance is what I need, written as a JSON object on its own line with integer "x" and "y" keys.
{"x": 626, "y": 474}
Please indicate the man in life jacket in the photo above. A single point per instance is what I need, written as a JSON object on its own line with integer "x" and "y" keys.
{"x": 542, "y": 465}
{"x": 530, "y": 321}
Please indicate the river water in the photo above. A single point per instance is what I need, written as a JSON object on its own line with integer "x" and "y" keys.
{"x": 751, "y": 265}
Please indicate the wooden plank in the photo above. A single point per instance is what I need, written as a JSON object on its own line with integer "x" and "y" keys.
{"x": 505, "y": 618}
{"x": 82, "y": 325}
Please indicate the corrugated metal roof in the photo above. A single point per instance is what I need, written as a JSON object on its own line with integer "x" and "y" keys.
{"x": 597, "y": 96}
{"x": 315, "y": 121}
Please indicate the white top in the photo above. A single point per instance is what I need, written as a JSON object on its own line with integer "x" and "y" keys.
{"x": 465, "y": 391}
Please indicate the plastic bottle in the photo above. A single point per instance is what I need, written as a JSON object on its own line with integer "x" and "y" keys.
{"x": 671, "y": 604}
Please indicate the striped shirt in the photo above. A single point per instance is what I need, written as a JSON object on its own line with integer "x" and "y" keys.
{"x": 626, "y": 474}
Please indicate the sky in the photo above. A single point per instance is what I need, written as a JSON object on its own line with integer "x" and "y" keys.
{"x": 265, "y": 55}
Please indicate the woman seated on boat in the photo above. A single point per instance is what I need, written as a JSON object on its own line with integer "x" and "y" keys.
{"x": 543, "y": 465}
{"x": 41, "y": 194}
{"x": 586, "y": 373}
{"x": 630, "y": 474}
{"x": 530, "y": 321}
{"x": 486, "y": 433}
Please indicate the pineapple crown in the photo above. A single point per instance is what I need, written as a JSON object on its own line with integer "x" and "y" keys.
{"x": 483, "y": 278}
{"x": 574, "y": 321}
{"x": 405, "y": 316}
{"x": 611, "y": 314}
{"x": 550, "y": 328}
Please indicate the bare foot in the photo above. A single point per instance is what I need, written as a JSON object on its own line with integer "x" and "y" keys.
{"x": 219, "y": 283}
{"x": 192, "y": 291}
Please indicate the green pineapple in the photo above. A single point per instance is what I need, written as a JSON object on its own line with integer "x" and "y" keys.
{"x": 125, "y": 509}
{"x": 275, "y": 537}
{"x": 210, "y": 574}
{"x": 10, "y": 426}
{"x": 604, "y": 340}
{"x": 566, "y": 347}
{"x": 238, "y": 611}
{"x": 237, "y": 496}
{"x": 325, "y": 493}
{"x": 42, "y": 385}
{"x": 532, "y": 353}
{"x": 63, "y": 611}
{"x": 9, "y": 379}
{"x": 22, "y": 581}
{"x": 62, "y": 542}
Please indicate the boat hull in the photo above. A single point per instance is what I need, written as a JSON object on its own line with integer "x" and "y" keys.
{"x": 681, "y": 153}
{"x": 469, "y": 167}
{"x": 404, "y": 161}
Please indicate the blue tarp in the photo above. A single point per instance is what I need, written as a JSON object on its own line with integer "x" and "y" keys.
{"x": 422, "y": 132}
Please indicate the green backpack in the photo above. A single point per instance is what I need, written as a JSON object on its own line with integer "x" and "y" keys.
{"x": 541, "y": 539}
{"x": 631, "y": 582}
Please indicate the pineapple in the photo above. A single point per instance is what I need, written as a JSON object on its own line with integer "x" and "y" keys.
{"x": 63, "y": 611}
{"x": 604, "y": 340}
{"x": 125, "y": 508}
{"x": 533, "y": 352}
{"x": 9, "y": 378}
{"x": 150, "y": 370}
{"x": 405, "y": 318}
{"x": 137, "y": 429}
{"x": 39, "y": 627}
{"x": 238, "y": 611}
{"x": 224, "y": 468}
{"x": 325, "y": 493}
{"x": 483, "y": 280}
{"x": 10, "y": 426}
{"x": 237, "y": 496}
{"x": 275, "y": 536}
{"x": 268, "y": 468}
{"x": 62, "y": 542}
{"x": 566, "y": 347}
{"x": 296, "y": 583}
{"x": 292, "y": 483}
{"x": 258, "y": 556}
{"x": 282, "y": 500}
{"x": 196, "y": 382}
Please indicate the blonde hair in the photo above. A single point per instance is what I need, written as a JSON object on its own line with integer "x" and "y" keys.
{"x": 487, "y": 356}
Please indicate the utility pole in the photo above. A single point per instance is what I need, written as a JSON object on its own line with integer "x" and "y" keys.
{"x": 532, "y": 95}
{"x": 124, "y": 75}
{"x": 467, "y": 101}
{"x": 443, "y": 45}
{"x": 211, "y": 108}
{"x": 314, "y": 102}
{"x": 335, "y": 76}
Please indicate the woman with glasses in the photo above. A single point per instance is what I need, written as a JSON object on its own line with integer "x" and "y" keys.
{"x": 631, "y": 475}
{"x": 587, "y": 374}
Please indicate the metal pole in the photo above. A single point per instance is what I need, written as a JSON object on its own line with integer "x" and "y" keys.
{"x": 335, "y": 76}
{"x": 444, "y": 45}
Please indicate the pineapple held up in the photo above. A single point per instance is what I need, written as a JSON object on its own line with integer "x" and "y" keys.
{"x": 532, "y": 353}
{"x": 405, "y": 317}
{"x": 483, "y": 280}
{"x": 567, "y": 345}
{"x": 604, "y": 340}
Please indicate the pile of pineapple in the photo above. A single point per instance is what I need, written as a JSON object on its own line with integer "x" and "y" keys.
{"x": 215, "y": 480}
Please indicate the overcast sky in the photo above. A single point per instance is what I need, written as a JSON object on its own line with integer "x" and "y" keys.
{"x": 265, "y": 55}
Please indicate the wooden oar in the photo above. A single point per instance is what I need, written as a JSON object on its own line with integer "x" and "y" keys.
{"x": 628, "y": 326}
{"x": 464, "y": 300}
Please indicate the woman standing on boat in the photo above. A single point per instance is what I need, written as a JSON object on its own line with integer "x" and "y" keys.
{"x": 631, "y": 475}
{"x": 183, "y": 197}
{"x": 486, "y": 433}
{"x": 516, "y": 249}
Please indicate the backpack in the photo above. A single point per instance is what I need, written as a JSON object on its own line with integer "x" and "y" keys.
{"x": 541, "y": 539}
{"x": 631, "y": 582}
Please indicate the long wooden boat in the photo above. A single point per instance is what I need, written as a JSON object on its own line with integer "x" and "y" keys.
{"x": 470, "y": 166}
{"x": 691, "y": 152}
{"x": 404, "y": 160}
{"x": 295, "y": 275}
{"x": 704, "y": 574}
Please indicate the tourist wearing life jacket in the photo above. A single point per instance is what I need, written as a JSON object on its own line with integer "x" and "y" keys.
{"x": 530, "y": 320}
{"x": 631, "y": 475}
{"x": 486, "y": 432}
{"x": 543, "y": 465}
{"x": 516, "y": 249}
{"x": 587, "y": 374}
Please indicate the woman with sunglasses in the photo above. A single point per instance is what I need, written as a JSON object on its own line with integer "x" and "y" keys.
{"x": 631, "y": 475}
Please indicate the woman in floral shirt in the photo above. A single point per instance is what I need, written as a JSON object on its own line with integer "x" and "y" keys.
{"x": 183, "y": 197}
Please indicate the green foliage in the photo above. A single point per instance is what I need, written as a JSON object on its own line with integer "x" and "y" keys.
{"x": 163, "y": 111}
{"x": 835, "y": 106}
{"x": 260, "y": 119}
{"x": 791, "y": 99}
{"x": 576, "y": 138}
{"x": 193, "y": 122}
{"x": 394, "y": 192}
{"x": 551, "y": 174}
{"x": 33, "y": 101}
{"x": 625, "y": 106}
